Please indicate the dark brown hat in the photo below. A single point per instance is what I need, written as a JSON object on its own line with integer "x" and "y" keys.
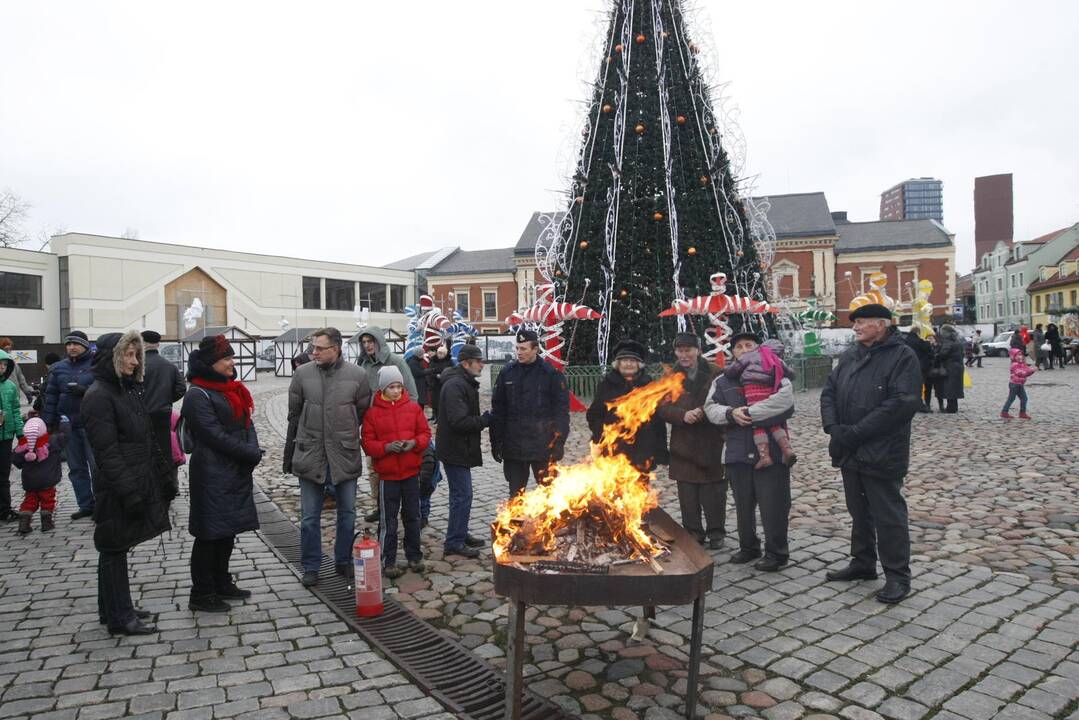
{"x": 213, "y": 348}
{"x": 687, "y": 340}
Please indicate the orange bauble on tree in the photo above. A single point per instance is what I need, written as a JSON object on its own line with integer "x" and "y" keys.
{"x": 641, "y": 39}
{"x": 583, "y": 245}
{"x": 692, "y": 250}
{"x": 618, "y": 48}
{"x": 607, "y": 108}
{"x": 657, "y": 216}
{"x": 639, "y": 128}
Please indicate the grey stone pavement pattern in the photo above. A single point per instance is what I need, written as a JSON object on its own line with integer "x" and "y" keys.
{"x": 991, "y": 630}
{"x": 281, "y": 654}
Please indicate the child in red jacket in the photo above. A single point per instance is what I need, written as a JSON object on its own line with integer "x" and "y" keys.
{"x": 395, "y": 434}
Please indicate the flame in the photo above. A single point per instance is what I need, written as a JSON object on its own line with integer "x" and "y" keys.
{"x": 605, "y": 485}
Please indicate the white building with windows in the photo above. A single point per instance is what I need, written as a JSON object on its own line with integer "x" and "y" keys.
{"x": 102, "y": 284}
{"x": 1003, "y": 275}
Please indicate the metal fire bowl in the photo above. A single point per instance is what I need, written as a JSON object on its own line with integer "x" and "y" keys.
{"x": 687, "y": 575}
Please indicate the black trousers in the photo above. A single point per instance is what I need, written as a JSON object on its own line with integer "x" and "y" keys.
{"x": 516, "y": 472}
{"x": 210, "y": 566}
{"x": 769, "y": 489}
{"x": 114, "y": 606}
{"x": 711, "y": 498}
{"x": 878, "y": 513}
{"x": 399, "y": 497}
{"x": 5, "y": 474}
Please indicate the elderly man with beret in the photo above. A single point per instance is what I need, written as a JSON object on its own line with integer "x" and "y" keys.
{"x": 866, "y": 408}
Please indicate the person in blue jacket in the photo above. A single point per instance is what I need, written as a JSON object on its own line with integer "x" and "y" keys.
{"x": 68, "y": 381}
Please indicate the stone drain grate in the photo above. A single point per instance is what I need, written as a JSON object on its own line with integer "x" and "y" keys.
{"x": 448, "y": 672}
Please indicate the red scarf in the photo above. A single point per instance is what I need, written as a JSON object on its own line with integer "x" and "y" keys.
{"x": 235, "y": 392}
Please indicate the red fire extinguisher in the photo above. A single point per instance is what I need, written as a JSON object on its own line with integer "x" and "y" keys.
{"x": 367, "y": 558}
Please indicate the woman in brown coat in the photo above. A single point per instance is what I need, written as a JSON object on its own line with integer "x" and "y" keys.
{"x": 696, "y": 446}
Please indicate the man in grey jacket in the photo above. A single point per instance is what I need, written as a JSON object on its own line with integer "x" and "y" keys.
{"x": 326, "y": 403}
{"x": 768, "y": 487}
{"x": 375, "y": 354}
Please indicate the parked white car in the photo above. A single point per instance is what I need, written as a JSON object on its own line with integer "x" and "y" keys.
{"x": 999, "y": 345}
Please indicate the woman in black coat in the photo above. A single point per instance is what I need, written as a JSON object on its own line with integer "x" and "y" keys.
{"x": 439, "y": 363}
{"x": 134, "y": 483}
{"x": 949, "y": 358}
{"x": 650, "y": 447}
{"x": 217, "y": 416}
{"x": 1052, "y": 336}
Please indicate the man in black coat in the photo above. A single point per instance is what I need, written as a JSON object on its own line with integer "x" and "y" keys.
{"x": 924, "y": 352}
{"x": 529, "y": 415}
{"x": 162, "y": 386}
{"x": 866, "y": 407}
{"x": 68, "y": 382}
{"x": 457, "y": 445}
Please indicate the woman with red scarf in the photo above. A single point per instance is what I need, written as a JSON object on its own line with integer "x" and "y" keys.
{"x": 217, "y": 415}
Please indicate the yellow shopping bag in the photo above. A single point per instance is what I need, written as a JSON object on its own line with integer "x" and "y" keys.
{"x": 967, "y": 382}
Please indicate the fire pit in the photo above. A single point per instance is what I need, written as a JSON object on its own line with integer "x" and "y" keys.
{"x": 686, "y": 578}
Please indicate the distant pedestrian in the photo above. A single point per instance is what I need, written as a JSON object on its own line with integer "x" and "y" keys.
{"x": 529, "y": 415}
{"x": 696, "y": 446}
{"x": 417, "y": 365}
{"x": 131, "y": 486}
{"x": 949, "y": 360}
{"x": 649, "y": 447}
{"x": 8, "y": 346}
{"x": 395, "y": 435}
{"x": 1052, "y": 339}
{"x": 460, "y": 425}
{"x": 217, "y": 411}
{"x": 439, "y": 362}
{"x": 754, "y": 484}
{"x": 162, "y": 387}
{"x": 11, "y": 427}
{"x": 1018, "y": 373}
{"x": 38, "y": 405}
{"x": 375, "y": 354}
{"x": 68, "y": 381}
{"x": 327, "y": 400}
{"x": 39, "y": 455}
{"x": 979, "y": 348}
{"x": 866, "y": 408}
{"x": 924, "y": 351}
{"x": 1041, "y": 357}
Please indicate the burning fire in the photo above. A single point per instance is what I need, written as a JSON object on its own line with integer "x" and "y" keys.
{"x": 604, "y": 495}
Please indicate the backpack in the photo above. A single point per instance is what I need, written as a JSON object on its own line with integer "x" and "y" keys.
{"x": 183, "y": 433}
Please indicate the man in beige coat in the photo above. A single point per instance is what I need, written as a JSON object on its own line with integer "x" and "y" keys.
{"x": 326, "y": 403}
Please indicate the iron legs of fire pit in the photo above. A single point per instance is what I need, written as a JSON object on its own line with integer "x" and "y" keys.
{"x": 515, "y": 661}
{"x": 694, "y": 657}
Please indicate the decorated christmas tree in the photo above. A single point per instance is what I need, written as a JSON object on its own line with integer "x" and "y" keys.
{"x": 655, "y": 207}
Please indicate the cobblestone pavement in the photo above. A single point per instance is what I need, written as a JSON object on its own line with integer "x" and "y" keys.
{"x": 991, "y": 630}
{"x": 281, "y": 654}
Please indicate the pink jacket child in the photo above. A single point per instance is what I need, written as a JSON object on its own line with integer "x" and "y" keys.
{"x": 178, "y": 457}
{"x": 39, "y": 455}
{"x": 1017, "y": 380}
{"x": 760, "y": 373}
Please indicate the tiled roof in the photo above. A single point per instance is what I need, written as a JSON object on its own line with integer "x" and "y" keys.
{"x": 467, "y": 262}
{"x": 526, "y": 244}
{"x": 799, "y": 215}
{"x": 890, "y": 235}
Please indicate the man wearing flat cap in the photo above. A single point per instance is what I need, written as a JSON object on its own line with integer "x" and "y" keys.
{"x": 529, "y": 415}
{"x": 866, "y": 409}
{"x": 162, "y": 386}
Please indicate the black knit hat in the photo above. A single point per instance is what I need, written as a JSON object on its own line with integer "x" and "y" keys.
{"x": 151, "y": 336}
{"x": 872, "y": 310}
{"x": 745, "y": 335}
{"x": 78, "y": 337}
{"x": 214, "y": 347}
{"x": 687, "y": 340}
{"x": 469, "y": 352}
{"x": 630, "y": 349}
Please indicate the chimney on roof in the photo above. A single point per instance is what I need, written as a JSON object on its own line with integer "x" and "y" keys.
{"x": 839, "y": 217}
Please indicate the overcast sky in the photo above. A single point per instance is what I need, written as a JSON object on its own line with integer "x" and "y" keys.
{"x": 366, "y": 132}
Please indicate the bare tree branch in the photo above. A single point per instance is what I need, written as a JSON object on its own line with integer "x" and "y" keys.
{"x": 13, "y": 211}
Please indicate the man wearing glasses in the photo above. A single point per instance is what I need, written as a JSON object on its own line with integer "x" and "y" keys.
{"x": 326, "y": 403}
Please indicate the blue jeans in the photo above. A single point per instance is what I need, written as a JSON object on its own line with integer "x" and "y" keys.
{"x": 80, "y": 465}
{"x": 1016, "y": 391}
{"x": 459, "y": 478}
{"x": 425, "y": 500}
{"x": 311, "y": 497}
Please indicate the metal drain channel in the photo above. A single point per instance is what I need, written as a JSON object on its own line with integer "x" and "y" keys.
{"x": 446, "y": 670}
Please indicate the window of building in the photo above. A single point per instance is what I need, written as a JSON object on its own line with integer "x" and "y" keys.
{"x": 397, "y": 298}
{"x": 1023, "y": 307}
{"x": 312, "y": 293}
{"x": 1000, "y": 283}
{"x": 460, "y": 297}
{"x": 1000, "y": 309}
{"x": 1037, "y": 303}
{"x": 1020, "y": 279}
{"x": 372, "y": 296}
{"x": 1015, "y": 308}
{"x": 1012, "y": 279}
{"x": 65, "y": 297}
{"x": 1073, "y": 294}
{"x": 18, "y": 290}
{"x": 341, "y": 294}
{"x": 490, "y": 304}
{"x": 908, "y": 284}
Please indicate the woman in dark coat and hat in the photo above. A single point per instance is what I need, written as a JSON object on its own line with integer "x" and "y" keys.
{"x": 134, "y": 483}
{"x": 949, "y": 359}
{"x": 217, "y": 412}
{"x": 627, "y": 374}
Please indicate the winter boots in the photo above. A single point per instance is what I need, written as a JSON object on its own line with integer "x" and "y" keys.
{"x": 24, "y": 523}
{"x": 47, "y": 522}
{"x": 765, "y": 453}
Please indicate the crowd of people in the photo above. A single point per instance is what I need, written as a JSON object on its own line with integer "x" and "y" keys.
{"x": 108, "y": 409}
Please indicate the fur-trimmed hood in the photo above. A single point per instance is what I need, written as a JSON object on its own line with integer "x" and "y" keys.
{"x": 110, "y": 352}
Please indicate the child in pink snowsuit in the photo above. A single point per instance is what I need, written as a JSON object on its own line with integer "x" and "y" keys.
{"x": 760, "y": 372}
{"x": 1017, "y": 382}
